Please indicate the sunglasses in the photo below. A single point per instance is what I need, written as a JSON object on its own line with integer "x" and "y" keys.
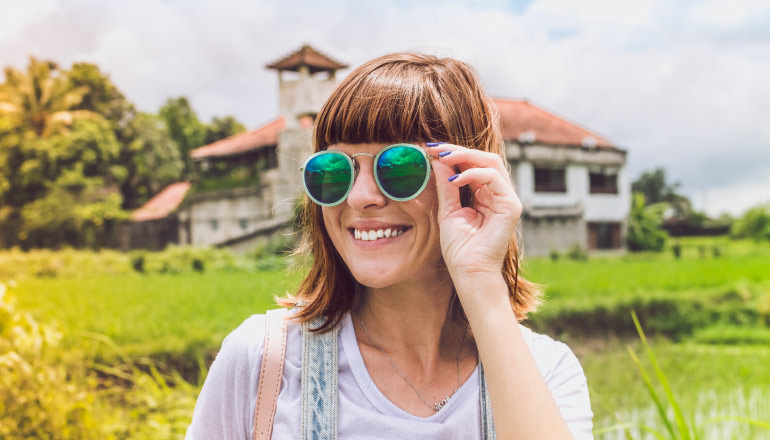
{"x": 401, "y": 172}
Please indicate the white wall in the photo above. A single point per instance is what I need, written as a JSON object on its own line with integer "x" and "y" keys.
{"x": 597, "y": 207}
{"x": 610, "y": 207}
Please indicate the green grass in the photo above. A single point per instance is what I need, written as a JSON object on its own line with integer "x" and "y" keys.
{"x": 154, "y": 314}
{"x": 716, "y": 302}
{"x": 641, "y": 274}
{"x": 707, "y": 381}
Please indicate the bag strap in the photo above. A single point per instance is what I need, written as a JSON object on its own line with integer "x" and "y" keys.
{"x": 270, "y": 375}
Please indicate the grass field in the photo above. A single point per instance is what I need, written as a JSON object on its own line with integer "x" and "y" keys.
{"x": 154, "y": 314}
{"x": 718, "y": 368}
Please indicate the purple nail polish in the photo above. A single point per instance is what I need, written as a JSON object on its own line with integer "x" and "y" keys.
{"x": 454, "y": 177}
{"x": 432, "y": 144}
{"x": 444, "y": 153}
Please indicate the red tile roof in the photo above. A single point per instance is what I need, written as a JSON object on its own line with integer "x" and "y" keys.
{"x": 246, "y": 141}
{"x": 307, "y": 56}
{"x": 163, "y": 204}
{"x": 522, "y": 120}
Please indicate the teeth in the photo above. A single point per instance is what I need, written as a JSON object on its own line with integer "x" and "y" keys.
{"x": 375, "y": 234}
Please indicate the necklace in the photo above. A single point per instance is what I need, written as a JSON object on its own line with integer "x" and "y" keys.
{"x": 436, "y": 406}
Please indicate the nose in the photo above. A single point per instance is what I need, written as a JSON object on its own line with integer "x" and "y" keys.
{"x": 365, "y": 192}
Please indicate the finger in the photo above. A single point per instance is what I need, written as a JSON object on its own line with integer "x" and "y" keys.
{"x": 469, "y": 158}
{"x": 496, "y": 183}
{"x": 458, "y": 155}
{"x": 448, "y": 194}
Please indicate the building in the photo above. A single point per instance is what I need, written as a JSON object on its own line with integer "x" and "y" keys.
{"x": 572, "y": 182}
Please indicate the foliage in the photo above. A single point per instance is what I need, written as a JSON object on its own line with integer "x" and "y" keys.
{"x": 101, "y": 96}
{"x": 644, "y": 225}
{"x": 656, "y": 189}
{"x": 58, "y": 161}
{"x": 40, "y": 102}
{"x": 221, "y": 128}
{"x": 183, "y": 126}
{"x": 232, "y": 177}
{"x": 676, "y": 426}
{"x": 48, "y": 392}
{"x": 36, "y": 400}
{"x": 754, "y": 223}
{"x": 70, "y": 183}
{"x": 151, "y": 158}
{"x": 676, "y": 316}
{"x": 577, "y": 253}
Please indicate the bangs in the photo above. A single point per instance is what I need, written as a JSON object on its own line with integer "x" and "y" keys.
{"x": 399, "y": 102}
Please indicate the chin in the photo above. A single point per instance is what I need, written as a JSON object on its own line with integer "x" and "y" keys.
{"x": 373, "y": 278}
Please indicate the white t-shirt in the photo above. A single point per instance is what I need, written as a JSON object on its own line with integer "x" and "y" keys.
{"x": 225, "y": 407}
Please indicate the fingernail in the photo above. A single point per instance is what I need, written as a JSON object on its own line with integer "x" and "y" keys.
{"x": 454, "y": 177}
{"x": 444, "y": 153}
{"x": 433, "y": 144}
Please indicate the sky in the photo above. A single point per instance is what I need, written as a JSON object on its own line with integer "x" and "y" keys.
{"x": 683, "y": 85}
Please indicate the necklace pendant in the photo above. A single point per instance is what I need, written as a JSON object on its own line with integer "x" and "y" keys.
{"x": 437, "y": 407}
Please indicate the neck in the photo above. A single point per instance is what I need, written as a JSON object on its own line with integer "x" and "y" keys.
{"x": 412, "y": 320}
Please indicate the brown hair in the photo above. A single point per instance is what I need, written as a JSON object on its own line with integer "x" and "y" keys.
{"x": 397, "y": 98}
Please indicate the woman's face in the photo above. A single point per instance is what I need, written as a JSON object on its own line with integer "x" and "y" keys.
{"x": 412, "y": 251}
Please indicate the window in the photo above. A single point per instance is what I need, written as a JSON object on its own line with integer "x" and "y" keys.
{"x": 604, "y": 235}
{"x": 550, "y": 180}
{"x": 603, "y": 183}
{"x": 244, "y": 223}
{"x": 214, "y": 225}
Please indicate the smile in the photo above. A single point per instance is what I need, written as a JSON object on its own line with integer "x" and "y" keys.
{"x": 375, "y": 234}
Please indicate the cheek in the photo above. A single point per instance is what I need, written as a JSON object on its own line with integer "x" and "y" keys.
{"x": 331, "y": 224}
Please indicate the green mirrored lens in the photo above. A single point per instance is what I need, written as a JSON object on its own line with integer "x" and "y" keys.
{"x": 402, "y": 171}
{"x": 328, "y": 177}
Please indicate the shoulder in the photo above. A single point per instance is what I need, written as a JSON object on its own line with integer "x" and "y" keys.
{"x": 244, "y": 345}
{"x": 552, "y": 357}
{"x": 225, "y": 406}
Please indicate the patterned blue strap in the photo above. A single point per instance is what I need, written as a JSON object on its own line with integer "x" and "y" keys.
{"x": 487, "y": 423}
{"x": 319, "y": 382}
{"x": 319, "y": 386}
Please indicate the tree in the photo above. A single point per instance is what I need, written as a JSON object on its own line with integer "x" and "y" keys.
{"x": 644, "y": 225}
{"x": 61, "y": 189}
{"x": 40, "y": 102}
{"x": 754, "y": 223}
{"x": 103, "y": 97}
{"x": 221, "y": 128}
{"x": 151, "y": 158}
{"x": 656, "y": 189}
{"x": 183, "y": 126}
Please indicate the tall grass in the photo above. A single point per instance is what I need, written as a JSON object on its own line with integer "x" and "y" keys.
{"x": 48, "y": 391}
{"x": 674, "y": 422}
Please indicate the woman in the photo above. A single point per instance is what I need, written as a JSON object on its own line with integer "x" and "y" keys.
{"x": 411, "y": 221}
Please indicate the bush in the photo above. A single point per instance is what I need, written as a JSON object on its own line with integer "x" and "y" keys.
{"x": 644, "y": 225}
{"x": 554, "y": 255}
{"x": 137, "y": 262}
{"x": 755, "y": 223}
{"x": 676, "y": 317}
{"x": 37, "y": 396}
{"x": 49, "y": 393}
{"x": 577, "y": 253}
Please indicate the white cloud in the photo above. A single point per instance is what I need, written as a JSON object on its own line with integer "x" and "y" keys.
{"x": 679, "y": 84}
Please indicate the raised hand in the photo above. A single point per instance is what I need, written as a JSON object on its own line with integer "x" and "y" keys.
{"x": 474, "y": 240}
